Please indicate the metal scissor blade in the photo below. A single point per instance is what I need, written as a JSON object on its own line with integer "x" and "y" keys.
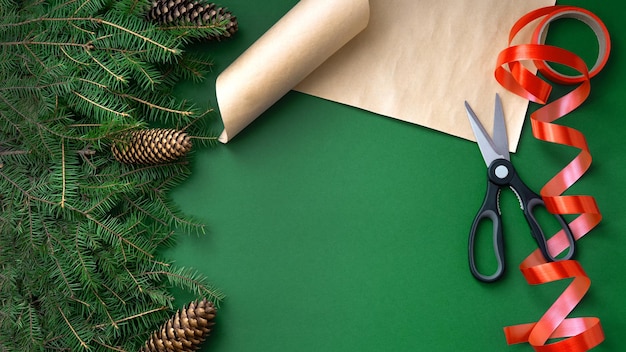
{"x": 485, "y": 143}
{"x": 500, "y": 138}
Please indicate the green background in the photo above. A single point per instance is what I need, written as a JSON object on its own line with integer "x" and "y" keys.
{"x": 330, "y": 228}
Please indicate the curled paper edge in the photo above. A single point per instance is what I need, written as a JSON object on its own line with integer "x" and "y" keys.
{"x": 286, "y": 54}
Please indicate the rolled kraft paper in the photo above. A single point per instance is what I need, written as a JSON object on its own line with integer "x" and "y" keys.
{"x": 288, "y": 52}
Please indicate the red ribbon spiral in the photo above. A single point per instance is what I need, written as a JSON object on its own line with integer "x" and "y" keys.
{"x": 574, "y": 334}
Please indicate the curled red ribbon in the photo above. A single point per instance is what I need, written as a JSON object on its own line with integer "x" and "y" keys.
{"x": 574, "y": 334}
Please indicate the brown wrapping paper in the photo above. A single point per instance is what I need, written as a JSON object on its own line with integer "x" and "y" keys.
{"x": 416, "y": 61}
{"x": 288, "y": 52}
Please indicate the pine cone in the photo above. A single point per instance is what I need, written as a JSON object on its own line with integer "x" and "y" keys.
{"x": 192, "y": 12}
{"x": 151, "y": 146}
{"x": 184, "y": 331}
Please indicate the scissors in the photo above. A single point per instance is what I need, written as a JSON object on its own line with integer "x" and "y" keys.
{"x": 500, "y": 174}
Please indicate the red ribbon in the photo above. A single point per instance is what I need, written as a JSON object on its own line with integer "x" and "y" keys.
{"x": 574, "y": 334}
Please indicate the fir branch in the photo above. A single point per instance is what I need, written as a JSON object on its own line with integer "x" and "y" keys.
{"x": 26, "y": 43}
{"x": 13, "y": 152}
{"x": 100, "y": 106}
{"x": 109, "y": 347}
{"x": 113, "y": 232}
{"x": 187, "y": 278}
{"x": 130, "y": 274}
{"x": 105, "y": 309}
{"x": 177, "y": 219}
{"x": 145, "y": 211}
{"x": 63, "y": 174}
{"x": 135, "y": 316}
{"x": 80, "y": 231}
{"x": 140, "y": 36}
{"x": 96, "y": 20}
{"x": 72, "y": 58}
{"x": 40, "y": 126}
{"x": 27, "y": 194}
{"x": 155, "y": 106}
{"x": 196, "y": 32}
{"x": 67, "y": 283}
{"x": 114, "y": 294}
{"x": 31, "y": 88}
{"x": 82, "y": 343}
{"x": 119, "y": 78}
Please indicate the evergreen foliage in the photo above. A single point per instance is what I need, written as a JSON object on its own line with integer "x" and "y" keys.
{"x": 79, "y": 231}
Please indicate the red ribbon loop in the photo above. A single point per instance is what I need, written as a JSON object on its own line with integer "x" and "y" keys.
{"x": 576, "y": 334}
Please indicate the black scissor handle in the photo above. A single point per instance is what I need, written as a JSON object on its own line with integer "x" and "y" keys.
{"x": 529, "y": 200}
{"x": 489, "y": 210}
{"x": 539, "y": 235}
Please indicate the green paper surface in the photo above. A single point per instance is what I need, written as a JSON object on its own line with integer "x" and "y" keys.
{"x": 330, "y": 228}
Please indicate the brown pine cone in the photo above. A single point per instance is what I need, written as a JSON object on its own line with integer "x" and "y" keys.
{"x": 185, "y": 330}
{"x": 192, "y": 12}
{"x": 151, "y": 146}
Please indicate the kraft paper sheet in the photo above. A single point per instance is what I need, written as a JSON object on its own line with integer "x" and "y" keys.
{"x": 416, "y": 61}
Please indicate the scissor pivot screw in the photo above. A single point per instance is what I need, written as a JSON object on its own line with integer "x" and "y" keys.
{"x": 501, "y": 171}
